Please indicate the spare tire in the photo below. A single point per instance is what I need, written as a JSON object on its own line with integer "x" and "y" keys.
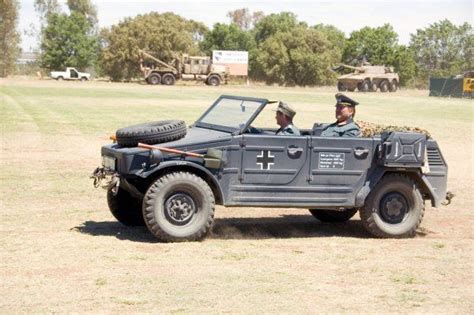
{"x": 151, "y": 133}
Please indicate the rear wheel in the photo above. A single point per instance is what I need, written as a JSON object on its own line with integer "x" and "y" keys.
{"x": 154, "y": 78}
{"x": 364, "y": 86}
{"x": 179, "y": 207}
{"x": 125, "y": 208}
{"x": 393, "y": 87}
{"x": 341, "y": 87}
{"x": 60, "y": 78}
{"x": 214, "y": 80}
{"x": 394, "y": 208}
{"x": 333, "y": 216}
{"x": 168, "y": 79}
{"x": 373, "y": 87}
{"x": 384, "y": 86}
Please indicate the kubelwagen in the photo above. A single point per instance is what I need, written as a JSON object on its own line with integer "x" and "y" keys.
{"x": 221, "y": 159}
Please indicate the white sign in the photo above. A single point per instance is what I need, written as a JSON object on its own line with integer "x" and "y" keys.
{"x": 230, "y": 56}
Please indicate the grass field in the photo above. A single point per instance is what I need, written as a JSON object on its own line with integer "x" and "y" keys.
{"x": 63, "y": 252}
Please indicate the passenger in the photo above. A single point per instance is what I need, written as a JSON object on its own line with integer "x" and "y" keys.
{"x": 284, "y": 118}
{"x": 345, "y": 125}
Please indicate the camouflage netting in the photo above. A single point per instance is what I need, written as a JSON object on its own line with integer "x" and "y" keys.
{"x": 371, "y": 129}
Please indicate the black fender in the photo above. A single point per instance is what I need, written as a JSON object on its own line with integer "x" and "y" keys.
{"x": 188, "y": 166}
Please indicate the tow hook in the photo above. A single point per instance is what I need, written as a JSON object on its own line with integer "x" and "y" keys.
{"x": 449, "y": 197}
{"x": 110, "y": 178}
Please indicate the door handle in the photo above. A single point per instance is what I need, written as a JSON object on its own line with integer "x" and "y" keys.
{"x": 361, "y": 152}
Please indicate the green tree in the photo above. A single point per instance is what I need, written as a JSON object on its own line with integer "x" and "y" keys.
{"x": 227, "y": 37}
{"x": 380, "y": 46}
{"x": 244, "y": 19}
{"x": 84, "y": 7}
{"x": 9, "y": 36}
{"x": 443, "y": 49}
{"x": 162, "y": 35}
{"x": 376, "y": 44}
{"x": 67, "y": 40}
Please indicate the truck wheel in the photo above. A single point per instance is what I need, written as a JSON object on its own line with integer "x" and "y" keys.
{"x": 393, "y": 87}
{"x": 168, "y": 79}
{"x": 363, "y": 86}
{"x": 383, "y": 86}
{"x": 214, "y": 80}
{"x": 394, "y": 208}
{"x": 332, "y": 216}
{"x": 373, "y": 87}
{"x": 341, "y": 87}
{"x": 179, "y": 207}
{"x": 154, "y": 79}
{"x": 60, "y": 78}
{"x": 151, "y": 133}
{"x": 83, "y": 79}
{"x": 126, "y": 209}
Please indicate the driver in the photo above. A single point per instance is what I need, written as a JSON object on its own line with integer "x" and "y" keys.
{"x": 284, "y": 118}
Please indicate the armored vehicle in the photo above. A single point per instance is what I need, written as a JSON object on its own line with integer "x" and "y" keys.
{"x": 367, "y": 78}
{"x": 223, "y": 160}
{"x": 198, "y": 68}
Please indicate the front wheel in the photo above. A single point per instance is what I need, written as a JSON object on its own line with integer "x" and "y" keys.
{"x": 179, "y": 207}
{"x": 341, "y": 87}
{"x": 333, "y": 216}
{"x": 125, "y": 208}
{"x": 394, "y": 208}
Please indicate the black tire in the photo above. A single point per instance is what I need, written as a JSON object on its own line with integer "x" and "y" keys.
{"x": 393, "y": 87}
{"x": 394, "y": 208}
{"x": 363, "y": 86}
{"x": 179, "y": 207}
{"x": 154, "y": 79}
{"x": 373, "y": 87}
{"x": 333, "y": 216}
{"x": 151, "y": 133}
{"x": 168, "y": 79}
{"x": 341, "y": 87}
{"x": 125, "y": 208}
{"x": 214, "y": 80}
{"x": 60, "y": 78}
{"x": 83, "y": 79}
{"x": 384, "y": 86}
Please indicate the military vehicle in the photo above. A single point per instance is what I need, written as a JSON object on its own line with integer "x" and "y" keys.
{"x": 367, "y": 78}
{"x": 221, "y": 160}
{"x": 198, "y": 68}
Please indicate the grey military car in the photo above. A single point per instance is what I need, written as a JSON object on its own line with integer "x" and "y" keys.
{"x": 221, "y": 159}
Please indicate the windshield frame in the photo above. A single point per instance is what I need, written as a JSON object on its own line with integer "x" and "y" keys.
{"x": 263, "y": 102}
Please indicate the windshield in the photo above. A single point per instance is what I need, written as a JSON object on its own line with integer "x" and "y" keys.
{"x": 231, "y": 113}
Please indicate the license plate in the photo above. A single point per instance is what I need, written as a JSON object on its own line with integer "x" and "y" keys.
{"x": 108, "y": 162}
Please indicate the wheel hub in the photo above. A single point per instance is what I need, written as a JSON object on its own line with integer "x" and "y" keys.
{"x": 179, "y": 208}
{"x": 394, "y": 207}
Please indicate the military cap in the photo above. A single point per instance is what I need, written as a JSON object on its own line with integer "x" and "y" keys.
{"x": 343, "y": 100}
{"x": 285, "y": 109}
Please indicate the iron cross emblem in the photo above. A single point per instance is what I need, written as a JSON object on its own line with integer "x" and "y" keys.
{"x": 265, "y": 160}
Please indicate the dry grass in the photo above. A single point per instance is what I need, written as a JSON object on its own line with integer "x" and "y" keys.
{"x": 63, "y": 252}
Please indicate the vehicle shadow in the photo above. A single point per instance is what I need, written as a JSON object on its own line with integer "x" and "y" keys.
{"x": 116, "y": 229}
{"x": 286, "y": 226}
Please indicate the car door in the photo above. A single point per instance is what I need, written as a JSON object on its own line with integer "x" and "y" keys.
{"x": 338, "y": 168}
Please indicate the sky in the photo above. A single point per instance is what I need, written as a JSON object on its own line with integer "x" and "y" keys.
{"x": 405, "y": 16}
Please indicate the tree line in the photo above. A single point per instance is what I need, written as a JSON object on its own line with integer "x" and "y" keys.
{"x": 282, "y": 49}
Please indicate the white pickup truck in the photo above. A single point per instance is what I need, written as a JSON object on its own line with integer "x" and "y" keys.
{"x": 70, "y": 74}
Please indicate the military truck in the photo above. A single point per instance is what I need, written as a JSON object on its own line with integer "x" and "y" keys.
{"x": 367, "y": 78}
{"x": 221, "y": 160}
{"x": 198, "y": 68}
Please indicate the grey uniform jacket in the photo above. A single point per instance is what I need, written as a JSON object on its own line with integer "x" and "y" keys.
{"x": 289, "y": 130}
{"x": 348, "y": 130}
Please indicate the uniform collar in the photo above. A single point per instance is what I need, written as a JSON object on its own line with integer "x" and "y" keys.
{"x": 346, "y": 123}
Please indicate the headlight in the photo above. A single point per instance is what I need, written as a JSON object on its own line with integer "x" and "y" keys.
{"x": 109, "y": 162}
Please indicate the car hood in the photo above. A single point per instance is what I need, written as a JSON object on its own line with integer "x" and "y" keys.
{"x": 197, "y": 137}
